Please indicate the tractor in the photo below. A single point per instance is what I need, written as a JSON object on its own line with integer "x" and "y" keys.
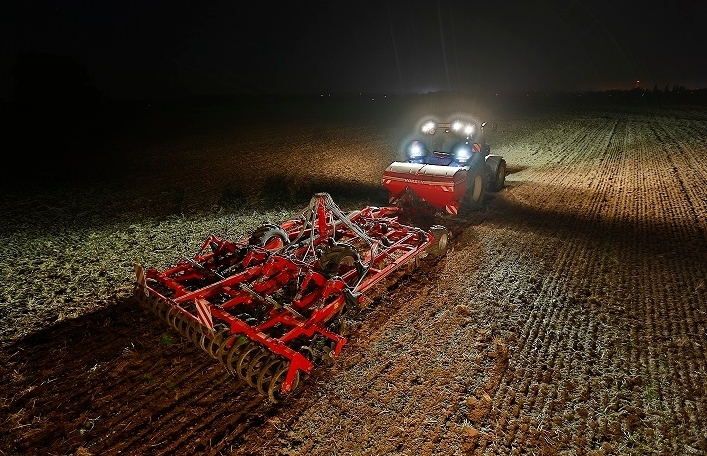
{"x": 448, "y": 166}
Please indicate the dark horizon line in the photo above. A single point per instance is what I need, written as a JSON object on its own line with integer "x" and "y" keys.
{"x": 382, "y": 96}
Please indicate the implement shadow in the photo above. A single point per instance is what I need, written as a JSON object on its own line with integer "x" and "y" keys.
{"x": 116, "y": 380}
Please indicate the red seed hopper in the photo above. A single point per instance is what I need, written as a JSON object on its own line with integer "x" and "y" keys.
{"x": 441, "y": 187}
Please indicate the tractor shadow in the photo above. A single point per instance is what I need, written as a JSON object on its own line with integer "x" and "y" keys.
{"x": 289, "y": 190}
{"x": 623, "y": 238}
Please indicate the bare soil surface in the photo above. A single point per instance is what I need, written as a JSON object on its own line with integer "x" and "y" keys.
{"x": 569, "y": 317}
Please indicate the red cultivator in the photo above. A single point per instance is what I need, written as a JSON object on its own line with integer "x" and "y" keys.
{"x": 271, "y": 307}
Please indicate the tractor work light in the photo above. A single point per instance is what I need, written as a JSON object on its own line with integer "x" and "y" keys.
{"x": 462, "y": 153}
{"x": 416, "y": 150}
{"x": 429, "y": 128}
{"x": 467, "y": 128}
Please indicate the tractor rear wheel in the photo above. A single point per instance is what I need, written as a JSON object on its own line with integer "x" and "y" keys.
{"x": 500, "y": 181}
{"x": 475, "y": 189}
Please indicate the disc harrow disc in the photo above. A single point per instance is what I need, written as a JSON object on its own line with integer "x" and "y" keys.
{"x": 217, "y": 341}
{"x": 151, "y": 303}
{"x": 205, "y": 341}
{"x": 172, "y": 317}
{"x": 162, "y": 309}
{"x": 207, "y": 337}
{"x": 222, "y": 352}
{"x": 193, "y": 331}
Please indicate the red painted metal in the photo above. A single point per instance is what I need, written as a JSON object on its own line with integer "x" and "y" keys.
{"x": 415, "y": 185}
{"x": 286, "y": 301}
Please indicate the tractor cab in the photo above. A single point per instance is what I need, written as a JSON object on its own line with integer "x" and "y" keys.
{"x": 453, "y": 144}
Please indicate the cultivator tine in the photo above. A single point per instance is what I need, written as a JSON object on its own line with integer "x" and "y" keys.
{"x": 268, "y": 315}
{"x": 267, "y": 373}
{"x": 245, "y": 359}
{"x": 217, "y": 342}
{"x": 234, "y": 353}
{"x": 258, "y": 361}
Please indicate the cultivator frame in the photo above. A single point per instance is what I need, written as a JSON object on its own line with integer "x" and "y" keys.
{"x": 270, "y": 308}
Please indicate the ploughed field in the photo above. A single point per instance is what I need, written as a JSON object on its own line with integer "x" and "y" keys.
{"x": 569, "y": 316}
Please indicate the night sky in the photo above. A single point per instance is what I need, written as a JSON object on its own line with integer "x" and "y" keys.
{"x": 142, "y": 49}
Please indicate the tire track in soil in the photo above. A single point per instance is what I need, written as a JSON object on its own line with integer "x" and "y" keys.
{"x": 535, "y": 347}
{"x": 660, "y": 304}
{"x": 601, "y": 430}
{"x": 562, "y": 317}
{"x": 675, "y": 327}
{"x": 401, "y": 396}
{"x": 685, "y": 163}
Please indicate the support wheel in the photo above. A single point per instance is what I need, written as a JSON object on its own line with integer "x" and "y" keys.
{"x": 338, "y": 259}
{"x": 441, "y": 243}
{"x": 270, "y": 237}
